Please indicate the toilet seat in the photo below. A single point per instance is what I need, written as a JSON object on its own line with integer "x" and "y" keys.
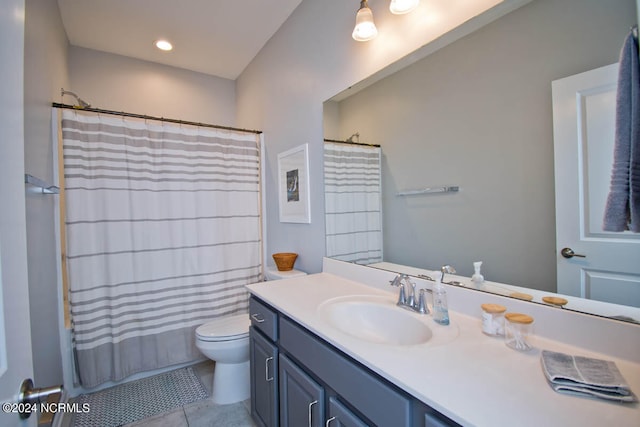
{"x": 225, "y": 329}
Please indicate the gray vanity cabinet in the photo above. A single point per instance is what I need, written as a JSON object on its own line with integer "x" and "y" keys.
{"x": 299, "y": 379}
{"x": 375, "y": 401}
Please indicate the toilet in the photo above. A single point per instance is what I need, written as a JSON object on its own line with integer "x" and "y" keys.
{"x": 226, "y": 341}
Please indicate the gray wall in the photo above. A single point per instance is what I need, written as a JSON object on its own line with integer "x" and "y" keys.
{"x": 478, "y": 114}
{"x": 115, "y": 82}
{"x": 45, "y": 72}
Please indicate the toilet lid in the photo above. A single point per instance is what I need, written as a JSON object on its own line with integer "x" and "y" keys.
{"x": 225, "y": 328}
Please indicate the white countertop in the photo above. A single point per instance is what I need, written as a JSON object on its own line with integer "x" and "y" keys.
{"x": 472, "y": 378}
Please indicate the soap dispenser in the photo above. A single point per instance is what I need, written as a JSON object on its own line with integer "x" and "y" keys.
{"x": 477, "y": 278}
{"x": 440, "y": 308}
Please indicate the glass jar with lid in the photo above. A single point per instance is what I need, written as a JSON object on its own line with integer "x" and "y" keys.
{"x": 517, "y": 328}
{"x": 493, "y": 319}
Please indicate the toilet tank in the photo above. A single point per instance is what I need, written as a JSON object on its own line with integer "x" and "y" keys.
{"x": 272, "y": 273}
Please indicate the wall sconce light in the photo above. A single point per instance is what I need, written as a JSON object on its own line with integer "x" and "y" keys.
{"x": 400, "y": 7}
{"x": 365, "y": 29}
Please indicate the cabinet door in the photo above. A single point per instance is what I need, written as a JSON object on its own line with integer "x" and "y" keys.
{"x": 264, "y": 380}
{"x": 341, "y": 416}
{"x": 301, "y": 398}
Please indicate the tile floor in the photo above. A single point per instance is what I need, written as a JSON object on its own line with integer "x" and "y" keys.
{"x": 203, "y": 413}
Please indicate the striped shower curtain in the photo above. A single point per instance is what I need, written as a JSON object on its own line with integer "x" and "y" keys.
{"x": 353, "y": 213}
{"x": 162, "y": 234}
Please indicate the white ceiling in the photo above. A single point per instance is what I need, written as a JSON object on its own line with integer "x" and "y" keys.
{"x": 215, "y": 37}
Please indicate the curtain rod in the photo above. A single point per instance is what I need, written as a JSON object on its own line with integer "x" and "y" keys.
{"x": 352, "y": 143}
{"x": 144, "y": 116}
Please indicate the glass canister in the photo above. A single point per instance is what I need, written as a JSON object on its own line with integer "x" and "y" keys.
{"x": 493, "y": 319}
{"x": 517, "y": 328}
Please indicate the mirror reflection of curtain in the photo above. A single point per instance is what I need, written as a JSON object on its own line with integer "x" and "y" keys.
{"x": 353, "y": 205}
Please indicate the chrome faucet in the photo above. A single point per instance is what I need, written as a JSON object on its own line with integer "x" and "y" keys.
{"x": 409, "y": 301}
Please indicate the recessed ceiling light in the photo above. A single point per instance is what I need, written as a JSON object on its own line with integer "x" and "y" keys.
{"x": 163, "y": 45}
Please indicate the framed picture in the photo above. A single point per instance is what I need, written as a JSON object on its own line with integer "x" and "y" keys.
{"x": 293, "y": 185}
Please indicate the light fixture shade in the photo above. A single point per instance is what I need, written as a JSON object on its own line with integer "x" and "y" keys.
{"x": 400, "y": 7}
{"x": 365, "y": 29}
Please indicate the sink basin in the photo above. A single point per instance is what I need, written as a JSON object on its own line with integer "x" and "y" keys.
{"x": 376, "y": 320}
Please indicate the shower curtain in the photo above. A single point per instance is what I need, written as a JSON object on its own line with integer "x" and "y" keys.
{"x": 353, "y": 213}
{"x": 163, "y": 232}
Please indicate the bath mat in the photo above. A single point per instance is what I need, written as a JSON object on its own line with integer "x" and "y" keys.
{"x": 139, "y": 399}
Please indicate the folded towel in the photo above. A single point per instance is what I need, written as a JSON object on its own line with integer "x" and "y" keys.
{"x": 585, "y": 376}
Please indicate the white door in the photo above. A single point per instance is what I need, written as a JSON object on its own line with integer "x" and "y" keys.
{"x": 583, "y": 132}
{"x": 15, "y": 339}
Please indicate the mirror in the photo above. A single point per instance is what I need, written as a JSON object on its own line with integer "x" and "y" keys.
{"x": 477, "y": 114}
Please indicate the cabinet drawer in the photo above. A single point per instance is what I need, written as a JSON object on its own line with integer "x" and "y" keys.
{"x": 263, "y": 318}
{"x": 380, "y": 403}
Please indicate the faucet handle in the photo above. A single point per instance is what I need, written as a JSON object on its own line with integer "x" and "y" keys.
{"x": 422, "y": 303}
{"x": 397, "y": 281}
{"x": 402, "y": 296}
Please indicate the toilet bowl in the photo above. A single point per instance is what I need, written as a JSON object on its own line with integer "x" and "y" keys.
{"x": 226, "y": 341}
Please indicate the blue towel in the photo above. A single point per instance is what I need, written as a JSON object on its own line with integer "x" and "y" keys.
{"x": 622, "y": 211}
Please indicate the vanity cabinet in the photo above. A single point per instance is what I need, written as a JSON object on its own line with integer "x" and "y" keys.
{"x": 376, "y": 402}
{"x": 318, "y": 385}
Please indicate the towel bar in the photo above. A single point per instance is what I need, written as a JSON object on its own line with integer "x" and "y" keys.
{"x": 37, "y": 182}
{"x": 430, "y": 190}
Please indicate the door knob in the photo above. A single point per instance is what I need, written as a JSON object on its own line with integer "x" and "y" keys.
{"x": 568, "y": 253}
{"x": 30, "y": 395}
